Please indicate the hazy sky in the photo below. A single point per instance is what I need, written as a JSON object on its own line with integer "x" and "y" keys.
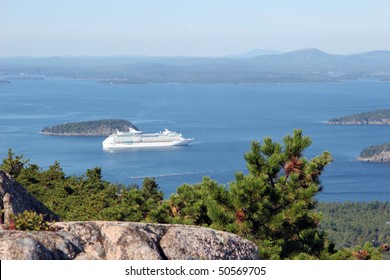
{"x": 190, "y": 27}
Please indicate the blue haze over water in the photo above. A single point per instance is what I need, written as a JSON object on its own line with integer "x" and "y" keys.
{"x": 223, "y": 119}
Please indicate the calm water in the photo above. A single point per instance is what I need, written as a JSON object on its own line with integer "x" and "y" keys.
{"x": 223, "y": 119}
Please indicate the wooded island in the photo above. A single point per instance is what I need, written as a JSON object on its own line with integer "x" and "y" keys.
{"x": 89, "y": 128}
{"x": 380, "y": 117}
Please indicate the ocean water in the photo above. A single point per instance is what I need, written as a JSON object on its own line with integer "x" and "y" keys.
{"x": 223, "y": 119}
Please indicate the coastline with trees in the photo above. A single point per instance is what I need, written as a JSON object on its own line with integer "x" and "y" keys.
{"x": 379, "y": 117}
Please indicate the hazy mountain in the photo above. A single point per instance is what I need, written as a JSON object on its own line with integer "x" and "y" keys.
{"x": 304, "y": 65}
{"x": 379, "y": 53}
{"x": 382, "y": 56}
{"x": 254, "y": 53}
{"x": 306, "y": 55}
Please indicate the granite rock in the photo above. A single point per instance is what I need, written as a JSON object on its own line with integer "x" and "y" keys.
{"x": 15, "y": 199}
{"x": 124, "y": 241}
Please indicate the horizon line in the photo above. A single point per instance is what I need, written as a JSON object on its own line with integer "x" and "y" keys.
{"x": 188, "y": 56}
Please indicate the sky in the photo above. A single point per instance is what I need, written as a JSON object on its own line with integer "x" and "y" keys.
{"x": 190, "y": 27}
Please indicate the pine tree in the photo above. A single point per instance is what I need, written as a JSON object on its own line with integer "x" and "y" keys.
{"x": 274, "y": 202}
{"x": 152, "y": 197}
{"x": 13, "y": 165}
{"x": 273, "y": 205}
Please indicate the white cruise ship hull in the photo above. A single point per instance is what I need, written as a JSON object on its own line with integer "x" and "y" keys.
{"x": 136, "y": 139}
{"x": 108, "y": 145}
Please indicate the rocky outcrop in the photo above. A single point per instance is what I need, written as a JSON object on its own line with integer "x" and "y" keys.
{"x": 126, "y": 241}
{"x": 109, "y": 240}
{"x": 383, "y": 156}
{"x": 15, "y": 199}
{"x": 376, "y": 153}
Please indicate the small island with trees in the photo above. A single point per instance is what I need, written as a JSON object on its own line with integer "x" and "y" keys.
{"x": 89, "y": 128}
{"x": 379, "y": 117}
{"x": 376, "y": 153}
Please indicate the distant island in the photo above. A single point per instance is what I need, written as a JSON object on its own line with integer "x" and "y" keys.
{"x": 376, "y": 153}
{"x": 4, "y": 82}
{"x": 89, "y": 128}
{"x": 380, "y": 117}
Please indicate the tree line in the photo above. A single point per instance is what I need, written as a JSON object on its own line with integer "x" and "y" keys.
{"x": 350, "y": 223}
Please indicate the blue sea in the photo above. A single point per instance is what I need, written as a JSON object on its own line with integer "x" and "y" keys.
{"x": 223, "y": 119}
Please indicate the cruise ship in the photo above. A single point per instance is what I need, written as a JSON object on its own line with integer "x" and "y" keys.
{"x": 138, "y": 139}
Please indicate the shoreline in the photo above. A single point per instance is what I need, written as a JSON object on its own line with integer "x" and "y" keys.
{"x": 74, "y": 134}
{"x": 387, "y": 122}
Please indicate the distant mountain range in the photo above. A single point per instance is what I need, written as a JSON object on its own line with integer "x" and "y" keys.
{"x": 256, "y": 66}
{"x": 254, "y": 53}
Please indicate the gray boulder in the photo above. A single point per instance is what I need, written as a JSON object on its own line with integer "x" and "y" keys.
{"x": 179, "y": 243}
{"x": 16, "y": 199}
{"x": 125, "y": 241}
